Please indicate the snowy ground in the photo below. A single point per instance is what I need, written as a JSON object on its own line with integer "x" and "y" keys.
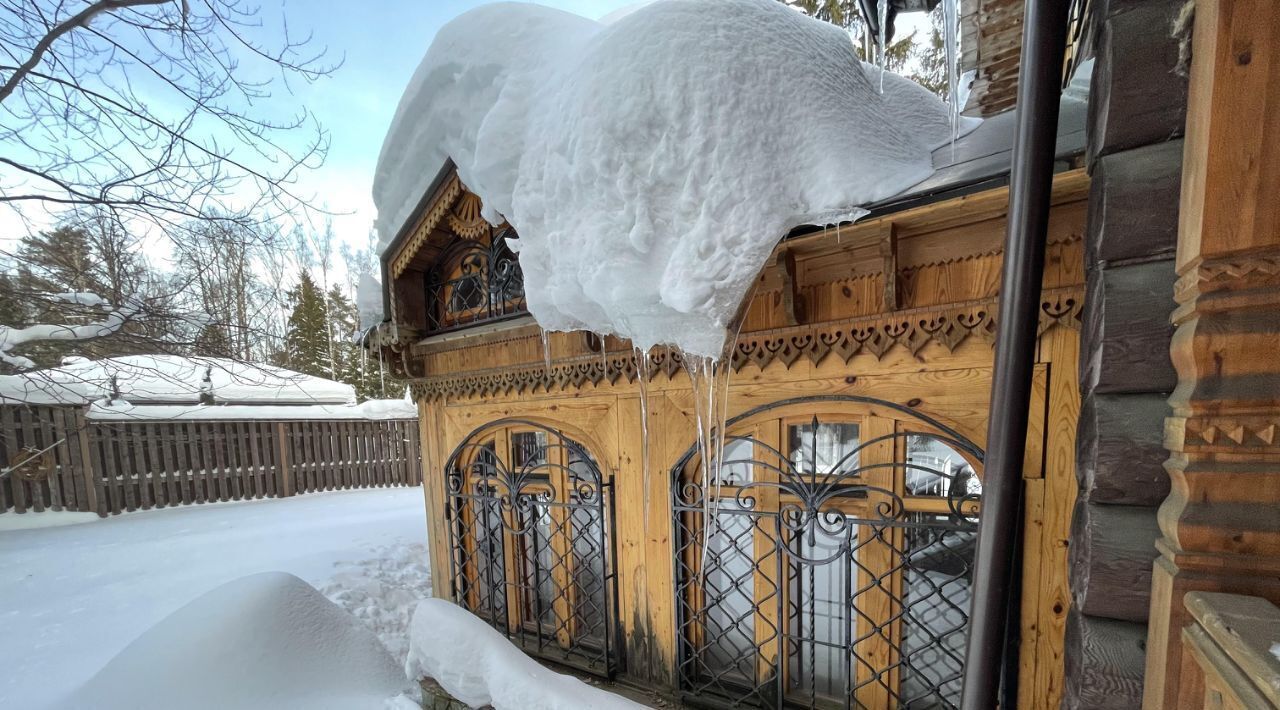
{"x": 73, "y": 596}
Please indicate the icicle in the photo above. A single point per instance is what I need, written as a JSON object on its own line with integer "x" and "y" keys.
{"x": 709, "y": 379}
{"x": 642, "y": 377}
{"x": 604, "y": 357}
{"x": 883, "y": 11}
{"x": 951, "y": 30}
{"x": 546, "y": 351}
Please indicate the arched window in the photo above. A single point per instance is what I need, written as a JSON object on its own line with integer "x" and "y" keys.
{"x": 531, "y": 536}
{"x": 825, "y": 561}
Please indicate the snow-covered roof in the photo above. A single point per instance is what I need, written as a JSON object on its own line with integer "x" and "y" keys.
{"x": 650, "y": 164}
{"x": 171, "y": 379}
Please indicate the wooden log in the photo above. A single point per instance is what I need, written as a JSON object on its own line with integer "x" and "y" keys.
{"x": 1124, "y": 343}
{"x": 1135, "y": 97}
{"x": 1104, "y": 663}
{"x": 1133, "y": 204}
{"x": 1111, "y": 553}
{"x": 1120, "y": 450}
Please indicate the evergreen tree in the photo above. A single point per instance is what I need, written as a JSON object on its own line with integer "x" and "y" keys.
{"x": 306, "y": 339}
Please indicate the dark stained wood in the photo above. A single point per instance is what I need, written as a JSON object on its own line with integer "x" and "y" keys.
{"x": 1104, "y": 662}
{"x": 1120, "y": 450}
{"x": 1133, "y": 204}
{"x": 1125, "y": 340}
{"x": 1112, "y": 550}
{"x": 1136, "y": 98}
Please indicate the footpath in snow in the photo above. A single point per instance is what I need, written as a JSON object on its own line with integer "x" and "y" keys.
{"x": 74, "y": 596}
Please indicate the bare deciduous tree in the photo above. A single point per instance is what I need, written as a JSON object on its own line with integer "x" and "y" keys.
{"x": 163, "y": 116}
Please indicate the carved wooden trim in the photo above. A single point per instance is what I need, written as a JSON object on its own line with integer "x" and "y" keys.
{"x": 465, "y": 219}
{"x": 449, "y": 193}
{"x": 1237, "y": 273}
{"x": 877, "y": 335}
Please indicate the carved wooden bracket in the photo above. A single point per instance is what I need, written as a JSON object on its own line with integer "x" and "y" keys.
{"x": 792, "y": 300}
{"x": 889, "y": 260}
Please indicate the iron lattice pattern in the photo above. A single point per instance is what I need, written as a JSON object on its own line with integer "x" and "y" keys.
{"x": 531, "y": 535}
{"x": 812, "y": 578}
{"x": 475, "y": 282}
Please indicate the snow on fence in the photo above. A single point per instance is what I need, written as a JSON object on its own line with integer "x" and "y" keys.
{"x": 72, "y": 461}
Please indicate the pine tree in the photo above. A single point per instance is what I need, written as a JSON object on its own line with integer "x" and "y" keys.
{"x": 306, "y": 339}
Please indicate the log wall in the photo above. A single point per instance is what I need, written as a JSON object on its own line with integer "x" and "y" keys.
{"x": 1137, "y": 109}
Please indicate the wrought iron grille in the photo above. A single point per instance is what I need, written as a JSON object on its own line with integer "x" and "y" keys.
{"x": 475, "y": 282}
{"x": 808, "y": 577}
{"x": 530, "y": 522}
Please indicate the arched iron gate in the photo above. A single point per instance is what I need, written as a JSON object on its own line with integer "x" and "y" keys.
{"x": 531, "y": 536}
{"x": 821, "y": 571}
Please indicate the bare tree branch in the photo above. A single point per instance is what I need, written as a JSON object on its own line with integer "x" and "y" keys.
{"x": 80, "y": 19}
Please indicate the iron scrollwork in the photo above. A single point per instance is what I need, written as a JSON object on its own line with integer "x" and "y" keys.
{"x": 531, "y": 538}
{"x": 780, "y": 604}
{"x": 475, "y": 282}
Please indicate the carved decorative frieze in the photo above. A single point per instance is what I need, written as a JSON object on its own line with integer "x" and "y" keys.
{"x": 877, "y": 336}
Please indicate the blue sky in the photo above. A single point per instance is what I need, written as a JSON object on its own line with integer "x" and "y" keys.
{"x": 383, "y": 41}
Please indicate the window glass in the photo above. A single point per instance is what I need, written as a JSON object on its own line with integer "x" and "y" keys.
{"x": 824, "y": 448}
{"x": 934, "y": 468}
{"x": 528, "y": 448}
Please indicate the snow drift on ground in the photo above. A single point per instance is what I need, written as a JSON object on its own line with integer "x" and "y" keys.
{"x": 479, "y": 666}
{"x": 266, "y": 641}
{"x": 651, "y": 164}
{"x": 171, "y": 379}
{"x": 72, "y": 597}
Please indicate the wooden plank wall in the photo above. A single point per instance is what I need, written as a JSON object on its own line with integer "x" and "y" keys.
{"x": 110, "y": 467}
{"x": 947, "y": 253}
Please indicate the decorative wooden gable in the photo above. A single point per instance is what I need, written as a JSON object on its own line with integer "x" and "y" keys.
{"x": 453, "y": 269}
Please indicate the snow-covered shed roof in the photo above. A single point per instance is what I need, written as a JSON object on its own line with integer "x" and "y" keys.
{"x": 171, "y": 379}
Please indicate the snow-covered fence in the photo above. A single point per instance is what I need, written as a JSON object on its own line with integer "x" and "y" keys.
{"x": 70, "y": 458}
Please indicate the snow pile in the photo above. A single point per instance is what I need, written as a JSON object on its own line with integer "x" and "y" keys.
{"x": 382, "y": 590}
{"x": 651, "y": 164}
{"x": 74, "y": 596}
{"x": 171, "y": 379}
{"x": 268, "y": 641}
{"x": 374, "y": 409}
{"x": 478, "y": 666}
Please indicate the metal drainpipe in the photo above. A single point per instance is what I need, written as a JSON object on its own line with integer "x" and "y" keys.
{"x": 993, "y": 625}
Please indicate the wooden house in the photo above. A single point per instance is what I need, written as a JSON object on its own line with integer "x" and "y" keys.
{"x": 567, "y": 503}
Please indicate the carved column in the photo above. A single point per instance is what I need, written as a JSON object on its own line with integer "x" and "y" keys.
{"x": 1221, "y": 521}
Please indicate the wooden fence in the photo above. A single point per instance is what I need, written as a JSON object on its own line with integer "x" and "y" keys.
{"x": 111, "y": 466}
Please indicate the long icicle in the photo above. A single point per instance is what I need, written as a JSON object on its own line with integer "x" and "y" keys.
{"x": 883, "y": 11}
{"x": 642, "y": 377}
{"x": 951, "y": 30}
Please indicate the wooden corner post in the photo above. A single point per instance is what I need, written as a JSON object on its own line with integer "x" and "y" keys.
{"x": 1221, "y": 521}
